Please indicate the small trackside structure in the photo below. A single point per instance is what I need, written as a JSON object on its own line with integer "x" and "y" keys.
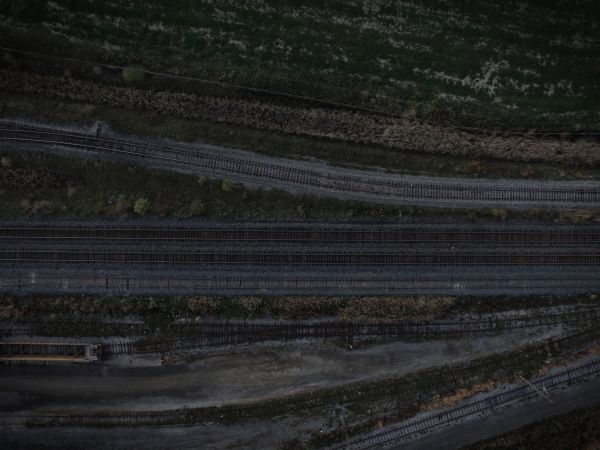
{"x": 49, "y": 352}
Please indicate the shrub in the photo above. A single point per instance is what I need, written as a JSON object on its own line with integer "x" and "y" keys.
{"x": 471, "y": 215}
{"x": 476, "y": 168}
{"x": 132, "y": 74}
{"x": 227, "y": 186}
{"x": 202, "y": 180}
{"x": 500, "y": 214}
{"x": 41, "y": 206}
{"x": 141, "y": 206}
{"x": 305, "y": 307}
{"x": 25, "y": 204}
{"x": 406, "y": 308}
{"x": 203, "y": 305}
{"x": 250, "y": 304}
{"x": 122, "y": 205}
{"x": 197, "y": 207}
{"x": 5, "y": 161}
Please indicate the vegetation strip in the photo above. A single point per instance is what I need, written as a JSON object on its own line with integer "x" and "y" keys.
{"x": 445, "y": 62}
{"x": 326, "y": 181}
{"x": 312, "y": 122}
{"x": 394, "y": 434}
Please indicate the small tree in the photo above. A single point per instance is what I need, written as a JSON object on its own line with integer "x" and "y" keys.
{"x": 500, "y": 213}
{"x": 227, "y": 186}
{"x": 141, "y": 206}
{"x": 197, "y": 207}
{"x": 122, "y": 204}
{"x": 132, "y": 74}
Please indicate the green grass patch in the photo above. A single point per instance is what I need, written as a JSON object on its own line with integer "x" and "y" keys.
{"x": 511, "y": 60}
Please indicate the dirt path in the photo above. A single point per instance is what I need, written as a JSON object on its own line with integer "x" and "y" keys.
{"x": 252, "y": 372}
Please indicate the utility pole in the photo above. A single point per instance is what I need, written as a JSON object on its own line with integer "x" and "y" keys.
{"x": 541, "y": 393}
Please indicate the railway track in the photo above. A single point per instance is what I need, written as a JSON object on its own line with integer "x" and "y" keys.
{"x": 228, "y": 333}
{"x": 430, "y": 257}
{"x": 241, "y": 332}
{"x": 459, "y": 374}
{"x": 314, "y": 177}
{"x": 484, "y": 280}
{"x": 266, "y": 233}
{"x": 420, "y": 424}
{"x": 289, "y": 259}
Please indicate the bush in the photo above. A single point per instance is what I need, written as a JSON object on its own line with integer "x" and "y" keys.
{"x": 227, "y": 186}
{"x": 500, "y": 214}
{"x": 122, "y": 204}
{"x": 5, "y": 161}
{"x": 305, "y": 307}
{"x": 250, "y": 304}
{"x": 141, "y": 206}
{"x": 197, "y": 208}
{"x": 394, "y": 308}
{"x": 132, "y": 74}
{"x": 203, "y": 305}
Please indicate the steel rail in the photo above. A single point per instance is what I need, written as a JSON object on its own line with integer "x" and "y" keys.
{"x": 420, "y": 424}
{"x": 436, "y": 257}
{"x": 324, "y": 180}
{"x": 306, "y": 233}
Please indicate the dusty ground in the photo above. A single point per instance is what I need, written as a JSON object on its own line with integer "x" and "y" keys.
{"x": 253, "y": 372}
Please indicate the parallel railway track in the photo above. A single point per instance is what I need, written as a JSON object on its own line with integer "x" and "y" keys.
{"x": 395, "y": 434}
{"x": 241, "y": 332}
{"x": 303, "y": 233}
{"x": 430, "y": 257}
{"x": 408, "y": 281}
{"x": 289, "y": 259}
{"x": 458, "y": 374}
{"x": 233, "y": 332}
{"x": 326, "y": 180}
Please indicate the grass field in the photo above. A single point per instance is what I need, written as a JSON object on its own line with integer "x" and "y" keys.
{"x": 504, "y": 64}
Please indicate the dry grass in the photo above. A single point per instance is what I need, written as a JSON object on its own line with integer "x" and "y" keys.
{"x": 354, "y": 127}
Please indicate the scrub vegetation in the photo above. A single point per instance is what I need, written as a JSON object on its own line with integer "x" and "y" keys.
{"x": 511, "y": 64}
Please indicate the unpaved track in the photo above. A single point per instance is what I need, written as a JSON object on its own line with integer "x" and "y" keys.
{"x": 250, "y": 372}
{"x": 314, "y": 178}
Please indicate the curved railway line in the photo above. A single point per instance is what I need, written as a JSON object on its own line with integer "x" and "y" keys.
{"x": 457, "y": 374}
{"x": 420, "y": 424}
{"x": 315, "y": 177}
